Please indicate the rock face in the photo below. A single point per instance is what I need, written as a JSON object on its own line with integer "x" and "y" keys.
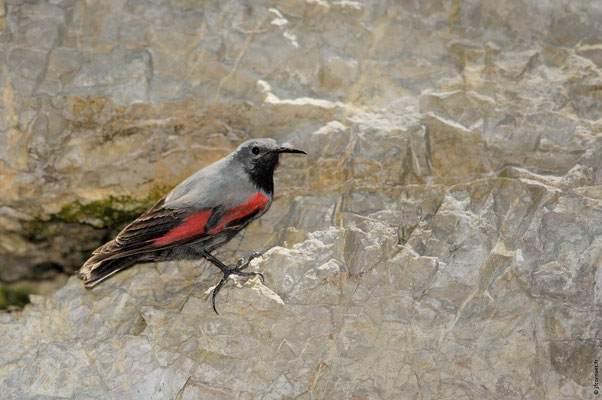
{"x": 442, "y": 239}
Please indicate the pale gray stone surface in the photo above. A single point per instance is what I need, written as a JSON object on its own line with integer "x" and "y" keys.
{"x": 442, "y": 239}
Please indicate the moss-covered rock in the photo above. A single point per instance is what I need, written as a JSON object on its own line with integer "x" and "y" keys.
{"x": 13, "y": 297}
{"x": 103, "y": 213}
{"x": 38, "y": 230}
{"x": 110, "y": 212}
{"x": 61, "y": 242}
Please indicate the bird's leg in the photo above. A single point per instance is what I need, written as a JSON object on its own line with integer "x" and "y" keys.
{"x": 229, "y": 271}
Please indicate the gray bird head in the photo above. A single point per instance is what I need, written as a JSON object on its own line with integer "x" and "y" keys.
{"x": 259, "y": 157}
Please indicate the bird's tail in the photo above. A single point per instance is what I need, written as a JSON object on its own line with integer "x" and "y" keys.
{"x": 96, "y": 270}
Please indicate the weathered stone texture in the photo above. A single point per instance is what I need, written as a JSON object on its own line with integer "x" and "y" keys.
{"x": 442, "y": 239}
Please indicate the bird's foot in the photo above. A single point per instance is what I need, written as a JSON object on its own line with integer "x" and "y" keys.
{"x": 238, "y": 270}
{"x": 243, "y": 264}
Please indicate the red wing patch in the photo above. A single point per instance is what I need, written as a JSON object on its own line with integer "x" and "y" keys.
{"x": 254, "y": 204}
{"x": 193, "y": 225}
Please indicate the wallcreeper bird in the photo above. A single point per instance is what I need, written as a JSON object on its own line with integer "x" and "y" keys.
{"x": 197, "y": 216}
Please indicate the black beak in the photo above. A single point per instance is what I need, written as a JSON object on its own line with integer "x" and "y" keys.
{"x": 289, "y": 150}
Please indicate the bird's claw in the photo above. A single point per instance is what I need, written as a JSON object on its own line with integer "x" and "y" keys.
{"x": 216, "y": 290}
{"x": 243, "y": 264}
{"x": 238, "y": 270}
{"x": 259, "y": 274}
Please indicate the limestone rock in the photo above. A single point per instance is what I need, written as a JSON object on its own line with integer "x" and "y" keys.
{"x": 442, "y": 239}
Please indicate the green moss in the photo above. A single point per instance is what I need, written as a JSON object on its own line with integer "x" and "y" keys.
{"x": 109, "y": 212}
{"x": 13, "y": 297}
{"x": 103, "y": 213}
{"x": 106, "y": 213}
{"x": 37, "y": 230}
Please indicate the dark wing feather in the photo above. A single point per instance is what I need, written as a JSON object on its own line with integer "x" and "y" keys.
{"x": 160, "y": 228}
{"x": 139, "y": 236}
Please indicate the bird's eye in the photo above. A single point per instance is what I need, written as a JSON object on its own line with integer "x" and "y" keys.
{"x": 255, "y": 150}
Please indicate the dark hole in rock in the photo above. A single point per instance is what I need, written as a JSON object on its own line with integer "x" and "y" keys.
{"x": 47, "y": 268}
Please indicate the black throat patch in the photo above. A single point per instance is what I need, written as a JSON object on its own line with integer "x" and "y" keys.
{"x": 262, "y": 172}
